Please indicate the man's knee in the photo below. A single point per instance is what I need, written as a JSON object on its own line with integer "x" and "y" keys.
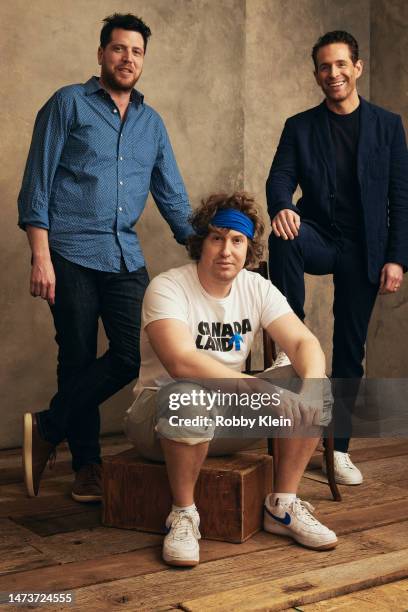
{"x": 184, "y": 413}
{"x": 283, "y": 253}
{"x": 279, "y": 245}
{"x": 186, "y": 398}
{"x": 125, "y": 366}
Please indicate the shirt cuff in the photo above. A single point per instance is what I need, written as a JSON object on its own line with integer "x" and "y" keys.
{"x": 36, "y": 218}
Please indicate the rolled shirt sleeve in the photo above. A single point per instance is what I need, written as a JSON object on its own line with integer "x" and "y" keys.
{"x": 168, "y": 190}
{"x": 50, "y": 133}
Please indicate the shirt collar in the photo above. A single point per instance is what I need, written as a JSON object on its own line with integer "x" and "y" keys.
{"x": 93, "y": 86}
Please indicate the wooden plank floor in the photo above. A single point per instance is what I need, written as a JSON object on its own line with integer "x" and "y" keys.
{"x": 51, "y": 543}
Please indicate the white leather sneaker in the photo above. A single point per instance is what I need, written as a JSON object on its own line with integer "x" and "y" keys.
{"x": 180, "y": 546}
{"x": 345, "y": 472}
{"x": 296, "y": 521}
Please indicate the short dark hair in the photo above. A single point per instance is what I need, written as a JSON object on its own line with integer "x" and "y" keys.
{"x": 125, "y": 22}
{"x": 337, "y": 36}
{"x": 201, "y": 222}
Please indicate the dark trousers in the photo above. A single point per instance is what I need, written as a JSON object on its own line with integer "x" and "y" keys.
{"x": 354, "y": 296}
{"x": 83, "y": 296}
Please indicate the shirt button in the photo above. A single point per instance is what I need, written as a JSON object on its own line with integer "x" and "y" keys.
{"x": 114, "y": 110}
{"x": 120, "y": 208}
{"x": 121, "y": 158}
{"x": 120, "y": 182}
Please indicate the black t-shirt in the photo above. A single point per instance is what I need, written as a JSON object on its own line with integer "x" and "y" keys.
{"x": 344, "y": 131}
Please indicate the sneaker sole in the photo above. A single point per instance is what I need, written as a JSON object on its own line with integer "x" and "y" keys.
{"x": 342, "y": 481}
{"x": 86, "y": 499}
{"x": 28, "y": 453}
{"x": 282, "y": 531}
{"x": 348, "y": 484}
{"x": 181, "y": 562}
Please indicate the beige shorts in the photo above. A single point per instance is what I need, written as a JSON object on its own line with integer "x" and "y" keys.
{"x": 144, "y": 430}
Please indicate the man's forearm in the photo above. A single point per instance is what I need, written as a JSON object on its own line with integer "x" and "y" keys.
{"x": 196, "y": 364}
{"x": 309, "y": 360}
{"x": 38, "y": 239}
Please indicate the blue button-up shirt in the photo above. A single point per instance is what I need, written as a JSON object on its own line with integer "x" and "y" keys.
{"x": 88, "y": 175}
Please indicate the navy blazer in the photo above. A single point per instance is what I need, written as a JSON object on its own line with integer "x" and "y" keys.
{"x": 305, "y": 157}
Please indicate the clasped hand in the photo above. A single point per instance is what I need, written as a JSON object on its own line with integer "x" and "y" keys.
{"x": 42, "y": 280}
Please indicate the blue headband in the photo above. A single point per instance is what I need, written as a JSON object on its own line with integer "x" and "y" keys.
{"x": 234, "y": 219}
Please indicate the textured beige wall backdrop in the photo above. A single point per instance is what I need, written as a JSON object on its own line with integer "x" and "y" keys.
{"x": 223, "y": 74}
{"x": 387, "y": 353}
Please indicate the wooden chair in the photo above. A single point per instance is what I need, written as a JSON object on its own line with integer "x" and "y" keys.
{"x": 269, "y": 354}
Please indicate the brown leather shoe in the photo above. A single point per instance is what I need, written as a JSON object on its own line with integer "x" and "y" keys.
{"x": 36, "y": 453}
{"x": 88, "y": 483}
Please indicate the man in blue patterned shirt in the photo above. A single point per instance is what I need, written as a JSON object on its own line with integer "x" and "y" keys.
{"x": 97, "y": 151}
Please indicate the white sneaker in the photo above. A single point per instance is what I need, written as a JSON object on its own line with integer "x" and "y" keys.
{"x": 180, "y": 546}
{"x": 281, "y": 360}
{"x": 296, "y": 521}
{"x": 345, "y": 472}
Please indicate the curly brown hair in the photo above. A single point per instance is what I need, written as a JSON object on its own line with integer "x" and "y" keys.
{"x": 201, "y": 222}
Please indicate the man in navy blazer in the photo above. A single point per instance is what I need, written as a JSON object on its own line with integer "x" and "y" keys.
{"x": 350, "y": 159}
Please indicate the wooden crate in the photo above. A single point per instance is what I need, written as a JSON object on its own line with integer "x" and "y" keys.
{"x": 229, "y": 494}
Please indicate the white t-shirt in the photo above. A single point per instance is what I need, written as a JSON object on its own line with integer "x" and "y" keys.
{"x": 225, "y": 327}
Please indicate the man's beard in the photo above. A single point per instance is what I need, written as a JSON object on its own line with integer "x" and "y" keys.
{"x": 115, "y": 85}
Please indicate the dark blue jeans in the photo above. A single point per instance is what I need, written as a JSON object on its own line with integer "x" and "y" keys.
{"x": 82, "y": 297}
{"x": 314, "y": 252}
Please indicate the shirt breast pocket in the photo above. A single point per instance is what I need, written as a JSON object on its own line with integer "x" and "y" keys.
{"x": 141, "y": 165}
{"x": 144, "y": 154}
{"x": 379, "y": 163}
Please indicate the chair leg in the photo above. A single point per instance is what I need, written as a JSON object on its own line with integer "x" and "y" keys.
{"x": 329, "y": 455}
{"x": 274, "y": 452}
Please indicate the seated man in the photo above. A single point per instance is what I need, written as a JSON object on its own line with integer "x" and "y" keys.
{"x": 180, "y": 309}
